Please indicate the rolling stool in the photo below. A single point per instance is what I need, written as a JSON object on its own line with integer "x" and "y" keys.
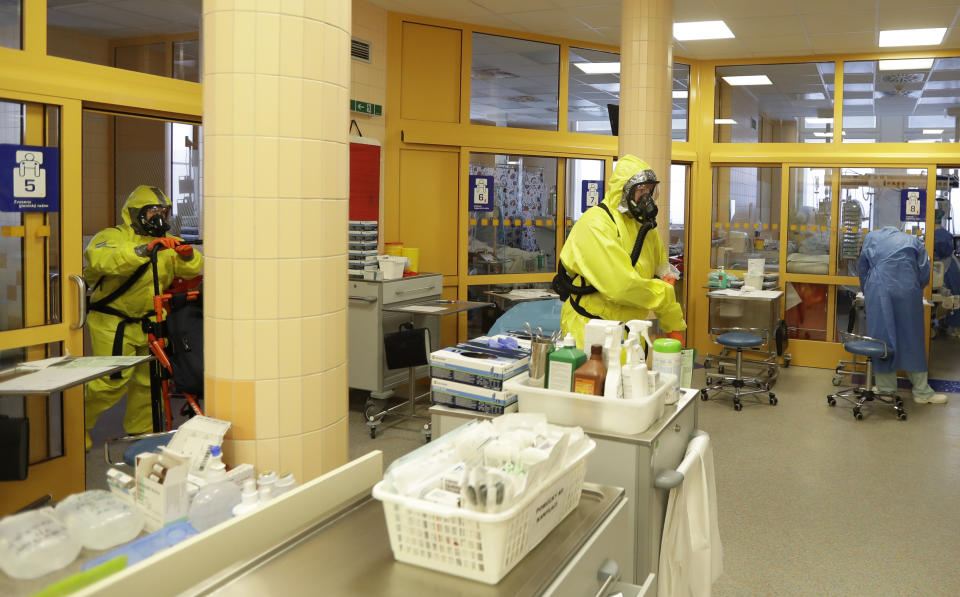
{"x": 738, "y": 338}
{"x": 871, "y": 348}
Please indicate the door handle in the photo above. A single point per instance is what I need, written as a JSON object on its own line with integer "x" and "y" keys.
{"x": 366, "y": 299}
{"x": 608, "y": 573}
{"x": 411, "y": 290}
{"x": 81, "y": 302}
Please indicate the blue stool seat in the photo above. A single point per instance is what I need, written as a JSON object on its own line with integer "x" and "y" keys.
{"x": 865, "y": 348}
{"x": 144, "y": 445}
{"x": 739, "y": 340}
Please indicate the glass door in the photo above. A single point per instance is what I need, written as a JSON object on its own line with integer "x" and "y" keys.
{"x": 39, "y": 282}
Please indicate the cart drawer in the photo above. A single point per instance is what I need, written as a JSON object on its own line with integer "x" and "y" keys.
{"x": 411, "y": 289}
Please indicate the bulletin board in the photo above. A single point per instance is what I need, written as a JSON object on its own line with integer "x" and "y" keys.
{"x": 364, "y": 181}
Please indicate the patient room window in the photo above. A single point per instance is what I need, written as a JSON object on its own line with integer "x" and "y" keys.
{"x": 806, "y": 310}
{"x": 10, "y": 36}
{"x": 513, "y": 214}
{"x": 585, "y": 188}
{"x": 808, "y": 214}
{"x": 746, "y": 216}
{"x": 871, "y": 198}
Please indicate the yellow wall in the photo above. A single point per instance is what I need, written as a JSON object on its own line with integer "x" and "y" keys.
{"x": 98, "y": 209}
{"x": 68, "y": 43}
{"x": 368, "y": 82}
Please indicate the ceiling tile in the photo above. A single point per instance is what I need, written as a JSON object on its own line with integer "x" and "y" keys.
{"x": 598, "y": 16}
{"x": 838, "y": 23}
{"x": 766, "y": 26}
{"x": 711, "y": 48}
{"x": 756, "y": 8}
{"x": 885, "y": 5}
{"x": 507, "y": 6}
{"x": 839, "y": 43}
{"x": 865, "y": 8}
{"x": 695, "y": 10}
{"x": 785, "y": 45}
{"x": 908, "y": 16}
{"x": 542, "y": 21}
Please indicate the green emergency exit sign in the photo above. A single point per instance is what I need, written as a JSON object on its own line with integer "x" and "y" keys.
{"x": 366, "y": 108}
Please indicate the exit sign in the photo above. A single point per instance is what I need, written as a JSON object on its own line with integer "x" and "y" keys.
{"x": 366, "y": 108}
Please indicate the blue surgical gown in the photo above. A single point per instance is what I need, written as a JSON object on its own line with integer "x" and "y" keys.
{"x": 943, "y": 251}
{"x": 894, "y": 268}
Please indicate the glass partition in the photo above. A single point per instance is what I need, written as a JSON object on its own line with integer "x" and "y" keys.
{"x": 586, "y": 185}
{"x": 901, "y": 101}
{"x": 680, "y": 107}
{"x": 849, "y": 316}
{"x": 186, "y": 60}
{"x": 808, "y": 216}
{"x": 514, "y": 83}
{"x": 746, "y": 216}
{"x": 44, "y": 413}
{"x": 132, "y": 36}
{"x": 513, "y": 211}
{"x": 504, "y": 297}
{"x": 593, "y": 99}
{"x": 871, "y": 198}
{"x": 774, "y": 103}
{"x": 11, "y": 24}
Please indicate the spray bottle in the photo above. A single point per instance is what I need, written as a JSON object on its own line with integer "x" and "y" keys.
{"x": 641, "y": 328}
{"x": 612, "y": 387}
{"x": 634, "y": 364}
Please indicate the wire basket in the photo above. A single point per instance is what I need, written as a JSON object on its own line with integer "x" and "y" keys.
{"x": 477, "y": 545}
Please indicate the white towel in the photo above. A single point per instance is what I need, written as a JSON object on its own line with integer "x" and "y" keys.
{"x": 691, "y": 555}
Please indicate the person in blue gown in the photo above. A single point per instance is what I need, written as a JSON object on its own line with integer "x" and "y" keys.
{"x": 943, "y": 252}
{"x": 894, "y": 268}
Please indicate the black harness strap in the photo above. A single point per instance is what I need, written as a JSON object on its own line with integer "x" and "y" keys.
{"x": 103, "y": 306}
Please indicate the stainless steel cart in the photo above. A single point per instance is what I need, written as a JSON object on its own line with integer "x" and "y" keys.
{"x": 756, "y": 310}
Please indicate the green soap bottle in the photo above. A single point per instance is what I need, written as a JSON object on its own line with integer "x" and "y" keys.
{"x": 562, "y": 364}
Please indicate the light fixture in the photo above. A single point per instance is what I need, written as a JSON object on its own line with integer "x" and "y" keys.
{"x": 701, "y": 30}
{"x": 921, "y": 140}
{"x": 822, "y": 134}
{"x": 724, "y": 121}
{"x": 860, "y": 140}
{"x": 906, "y": 64}
{"x": 748, "y": 80}
{"x": 932, "y": 131}
{"x": 912, "y": 37}
{"x": 598, "y": 68}
{"x": 680, "y": 95}
{"x": 814, "y": 96}
{"x": 808, "y": 120}
{"x": 608, "y": 87}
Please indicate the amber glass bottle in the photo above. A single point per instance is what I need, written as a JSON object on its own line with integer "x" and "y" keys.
{"x": 589, "y": 378}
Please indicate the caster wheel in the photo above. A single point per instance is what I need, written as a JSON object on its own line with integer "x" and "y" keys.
{"x": 371, "y": 411}
{"x": 831, "y": 401}
{"x": 773, "y": 399}
{"x": 858, "y": 415}
{"x": 737, "y": 406}
{"x": 899, "y": 403}
{"x": 709, "y": 381}
{"x": 837, "y": 380}
{"x": 720, "y": 369}
{"x": 708, "y": 363}
{"x": 786, "y": 363}
{"x": 902, "y": 416}
{"x": 704, "y": 395}
{"x": 373, "y": 433}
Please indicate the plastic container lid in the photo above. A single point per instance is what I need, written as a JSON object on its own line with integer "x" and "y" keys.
{"x": 668, "y": 345}
{"x": 99, "y": 520}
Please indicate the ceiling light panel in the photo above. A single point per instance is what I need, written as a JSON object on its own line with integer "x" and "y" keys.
{"x": 680, "y": 95}
{"x": 905, "y": 64}
{"x": 748, "y": 80}
{"x": 598, "y": 68}
{"x": 701, "y": 30}
{"x": 724, "y": 121}
{"x": 932, "y": 131}
{"x": 912, "y": 37}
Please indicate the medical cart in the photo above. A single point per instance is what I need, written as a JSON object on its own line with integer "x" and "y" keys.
{"x": 756, "y": 311}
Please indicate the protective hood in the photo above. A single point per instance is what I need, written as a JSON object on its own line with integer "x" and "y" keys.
{"x": 141, "y": 197}
{"x": 627, "y": 167}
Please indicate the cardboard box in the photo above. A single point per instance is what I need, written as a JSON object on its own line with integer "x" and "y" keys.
{"x": 472, "y": 397}
{"x": 475, "y": 363}
{"x": 166, "y": 501}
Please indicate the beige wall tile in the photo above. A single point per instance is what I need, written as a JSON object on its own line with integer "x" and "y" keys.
{"x": 267, "y": 408}
{"x": 244, "y": 414}
{"x": 218, "y": 359}
{"x": 315, "y": 344}
{"x": 244, "y": 337}
{"x": 312, "y": 455}
{"x": 334, "y": 446}
{"x": 268, "y": 44}
{"x": 313, "y": 172}
{"x": 290, "y": 213}
{"x": 244, "y": 106}
{"x": 291, "y": 106}
{"x": 335, "y": 395}
{"x": 334, "y": 332}
{"x": 291, "y": 457}
{"x": 266, "y": 349}
{"x": 291, "y": 46}
{"x": 314, "y": 281}
{"x": 296, "y": 8}
{"x": 290, "y": 347}
{"x": 268, "y": 104}
{"x": 244, "y": 299}
{"x": 290, "y": 183}
{"x": 266, "y": 218}
{"x": 290, "y": 407}
{"x": 311, "y": 398}
{"x": 244, "y": 52}
{"x": 333, "y": 220}
{"x": 268, "y": 455}
{"x": 313, "y": 49}
{"x": 243, "y": 227}
{"x": 265, "y": 181}
{"x": 223, "y": 400}
{"x": 313, "y": 107}
{"x": 244, "y": 451}
{"x": 334, "y": 285}
{"x": 316, "y": 243}
{"x": 266, "y": 288}
{"x": 289, "y": 288}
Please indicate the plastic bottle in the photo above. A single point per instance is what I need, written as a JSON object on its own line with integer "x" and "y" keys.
{"x": 99, "y": 520}
{"x": 612, "y": 385}
{"x": 249, "y": 499}
{"x": 666, "y": 360}
{"x": 267, "y": 481}
{"x": 35, "y": 543}
{"x": 563, "y": 363}
{"x": 284, "y": 484}
{"x": 640, "y": 328}
{"x": 214, "y": 502}
{"x": 589, "y": 378}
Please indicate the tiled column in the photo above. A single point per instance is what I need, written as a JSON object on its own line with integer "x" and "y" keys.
{"x": 275, "y": 96}
{"x": 646, "y": 84}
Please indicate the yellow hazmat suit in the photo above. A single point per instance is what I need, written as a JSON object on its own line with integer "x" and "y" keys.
{"x": 598, "y": 249}
{"x": 111, "y": 259}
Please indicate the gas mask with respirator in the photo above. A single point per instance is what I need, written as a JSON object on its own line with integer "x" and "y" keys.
{"x": 640, "y": 197}
{"x": 151, "y": 220}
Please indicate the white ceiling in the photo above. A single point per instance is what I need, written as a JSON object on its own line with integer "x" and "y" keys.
{"x": 763, "y": 28}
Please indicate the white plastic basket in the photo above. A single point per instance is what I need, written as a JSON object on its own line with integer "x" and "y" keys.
{"x": 596, "y": 413}
{"x": 476, "y": 545}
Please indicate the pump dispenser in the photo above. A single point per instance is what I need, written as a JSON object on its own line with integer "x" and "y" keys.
{"x": 249, "y": 499}
{"x": 563, "y": 363}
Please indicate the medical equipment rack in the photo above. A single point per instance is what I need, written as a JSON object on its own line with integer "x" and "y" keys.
{"x": 756, "y": 310}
